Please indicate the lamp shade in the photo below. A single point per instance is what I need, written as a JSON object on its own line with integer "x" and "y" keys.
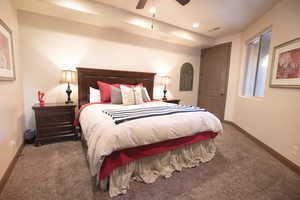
{"x": 165, "y": 80}
{"x": 68, "y": 76}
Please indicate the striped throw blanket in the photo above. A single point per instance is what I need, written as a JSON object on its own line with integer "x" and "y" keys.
{"x": 123, "y": 115}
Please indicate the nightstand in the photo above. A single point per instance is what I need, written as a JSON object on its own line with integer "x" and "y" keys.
{"x": 176, "y": 101}
{"x": 54, "y": 120}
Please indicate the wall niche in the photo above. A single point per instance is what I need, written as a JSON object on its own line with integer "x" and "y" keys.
{"x": 186, "y": 77}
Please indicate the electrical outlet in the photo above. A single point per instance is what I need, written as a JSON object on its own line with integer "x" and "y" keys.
{"x": 294, "y": 150}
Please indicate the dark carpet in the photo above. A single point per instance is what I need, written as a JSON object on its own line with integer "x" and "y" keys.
{"x": 240, "y": 170}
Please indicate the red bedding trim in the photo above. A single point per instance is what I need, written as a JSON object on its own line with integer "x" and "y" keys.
{"x": 123, "y": 157}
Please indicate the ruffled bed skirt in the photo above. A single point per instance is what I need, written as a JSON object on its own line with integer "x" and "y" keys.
{"x": 148, "y": 169}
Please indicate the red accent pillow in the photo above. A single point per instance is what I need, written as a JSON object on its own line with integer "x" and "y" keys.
{"x": 105, "y": 90}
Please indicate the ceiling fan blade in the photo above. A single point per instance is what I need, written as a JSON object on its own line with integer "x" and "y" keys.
{"x": 183, "y": 2}
{"x": 141, "y": 4}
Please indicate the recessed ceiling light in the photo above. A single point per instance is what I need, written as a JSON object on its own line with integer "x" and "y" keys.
{"x": 195, "y": 25}
{"x": 152, "y": 10}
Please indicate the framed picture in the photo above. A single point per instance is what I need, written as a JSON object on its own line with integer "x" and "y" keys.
{"x": 7, "y": 68}
{"x": 286, "y": 65}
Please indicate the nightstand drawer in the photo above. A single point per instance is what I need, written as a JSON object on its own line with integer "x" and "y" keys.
{"x": 53, "y": 131}
{"x": 54, "y": 112}
{"x": 53, "y": 117}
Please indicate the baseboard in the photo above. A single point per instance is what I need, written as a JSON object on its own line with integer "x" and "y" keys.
{"x": 10, "y": 168}
{"x": 274, "y": 153}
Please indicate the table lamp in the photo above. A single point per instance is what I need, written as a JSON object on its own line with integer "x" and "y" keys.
{"x": 68, "y": 76}
{"x": 165, "y": 81}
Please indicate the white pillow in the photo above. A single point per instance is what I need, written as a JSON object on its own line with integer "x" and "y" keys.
{"x": 131, "y": 96}
{"x": 138, "y": 95}
{"x": 145, "y": 94}
{"x": 94, "y": 95}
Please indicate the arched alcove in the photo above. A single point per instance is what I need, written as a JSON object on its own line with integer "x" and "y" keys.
{"x": 186, "y": 77}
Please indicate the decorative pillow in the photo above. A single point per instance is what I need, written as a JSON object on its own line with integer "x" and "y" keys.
{"x": 94, "y": 95}
{"x": 131, "y": 96}
{"x": 115, "y": 95}
{"x": 138, "y": 95}
{"x": 105, "y": 90}
{"x": 145, "y": 95}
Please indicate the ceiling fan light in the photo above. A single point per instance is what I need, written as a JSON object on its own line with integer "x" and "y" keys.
{"x": 152, "y": 10}
{"x": 196, "y": 25}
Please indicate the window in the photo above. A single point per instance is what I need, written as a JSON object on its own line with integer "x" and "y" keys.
{"x": 257, "y": 59}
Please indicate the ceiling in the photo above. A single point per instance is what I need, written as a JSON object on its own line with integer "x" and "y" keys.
{"x": 231, "y": 15}
{"x": 173, "y": 23}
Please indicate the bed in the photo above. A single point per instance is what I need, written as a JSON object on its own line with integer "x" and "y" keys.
{"x": 142, "y": 149}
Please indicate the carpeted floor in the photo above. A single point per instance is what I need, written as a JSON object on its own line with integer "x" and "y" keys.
{"x": 240, "y": 170}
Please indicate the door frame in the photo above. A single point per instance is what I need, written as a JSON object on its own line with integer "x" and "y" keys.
{"x": 229, "y": 44}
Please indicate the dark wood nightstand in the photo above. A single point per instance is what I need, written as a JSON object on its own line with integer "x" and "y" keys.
{"x": 176, "y": 101}
{"x": 54, "y": 120}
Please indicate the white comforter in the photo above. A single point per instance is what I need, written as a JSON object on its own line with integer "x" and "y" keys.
{"x": 103, "y": 136}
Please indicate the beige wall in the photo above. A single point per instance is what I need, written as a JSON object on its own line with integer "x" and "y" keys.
{"x": 11, "y": 99}
{"x": 49, "y": 44}
{"x": 274, "y": 118}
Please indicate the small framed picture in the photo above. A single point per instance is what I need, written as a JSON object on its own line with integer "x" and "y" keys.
{"x": 7, "y": 68}
{"x": 286, "y": 65}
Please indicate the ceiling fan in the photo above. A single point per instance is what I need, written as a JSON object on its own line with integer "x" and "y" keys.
{"x": 141, "y": 4}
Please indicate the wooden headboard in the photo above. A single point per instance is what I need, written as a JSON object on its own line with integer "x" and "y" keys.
{"x": 88, "y": 77}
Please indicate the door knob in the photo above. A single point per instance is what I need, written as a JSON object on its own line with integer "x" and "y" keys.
{"x": 222, "y": 94}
